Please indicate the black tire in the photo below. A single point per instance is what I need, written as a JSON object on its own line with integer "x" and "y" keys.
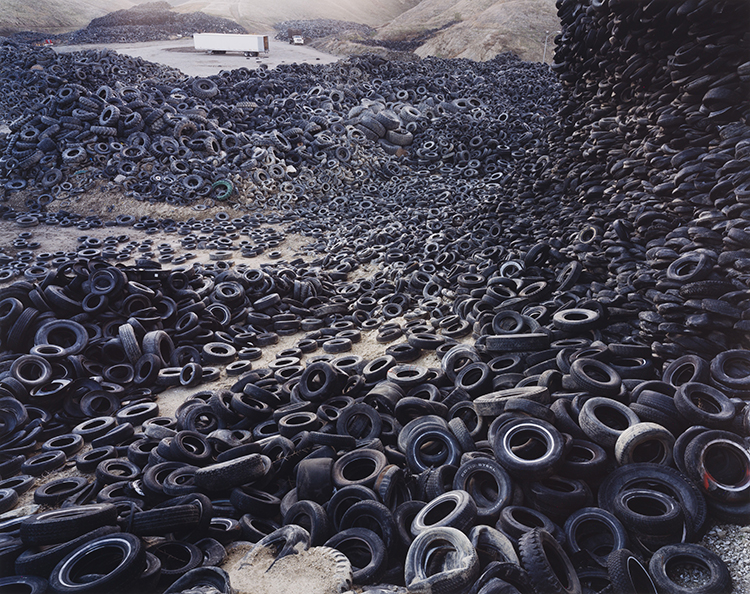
{"x": 441, "y": 441}
{"x": 163, "y": 520}
{"x": 202, "y": 579}
{"x": 628, "y": 575}
{"x": 254, "y": 529}
{"x": 592, "y": 534}
{"x": 517, "y": 520}
{"x": 492, "y": 546}
{"x": 526, "y": 448}
{"x": 8, "y": 500}
{"x": 344, "y": 498}
{"x": 57, "y": 526}
{"x": 644, "y": 442}
{"x": 177, "y": 558}
{"x": 549, "y": 567}
{"x": 584, "y": 459}
{"x": 56, "y": 491}
{"x": 358, "y": 467}
{"x": 25, "y": 584}
{"x": 701, "y": 404}
{"x": 374, "y": 516}
{"x": 191, "y": 447}
{"x": 360, "y": 421}
{"x": 312, "y": 517}
{"x": 667, "y": 480}
{"x": 603, "y": 420}
{"x": 595, "y": 377}
{"x": 648, "y": 512}
{"x": 489, "y": 485}
{"x": 314, "y": 480}
{"x": 232, "y": 473}
{"x": 666, "y": 559}
{"x": 114, "y": 562}
{"x": 441, "y": 561}
{"x": 719, "y": 463}
{"x": 41, "y": 561}
{"x": 365, "y": 551}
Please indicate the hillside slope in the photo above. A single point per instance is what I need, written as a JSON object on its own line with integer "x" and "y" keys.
{"x": 261, "y": 14}
{"x": 54, "y": 16}
{"x": 479, "y": 29}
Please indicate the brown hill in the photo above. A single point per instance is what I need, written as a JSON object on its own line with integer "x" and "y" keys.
{"x": 54, "y": 16}
{"x": 479, "y": 29}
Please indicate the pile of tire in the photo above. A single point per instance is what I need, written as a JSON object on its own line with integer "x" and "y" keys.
{"x": 577, "y": 275}
{"x": 317, "y": 28}
{"x": 163, "y": 137}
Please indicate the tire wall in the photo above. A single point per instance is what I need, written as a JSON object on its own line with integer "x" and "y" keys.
{"x": 654, "y": 144}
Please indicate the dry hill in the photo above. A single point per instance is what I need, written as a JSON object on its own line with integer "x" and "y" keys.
{"x": 261, "y": 14}
{"x": 479, "y": 29}
{"x": 54, "y": 16}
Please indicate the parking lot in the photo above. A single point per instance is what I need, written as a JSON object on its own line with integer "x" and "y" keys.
{"x": 180, "y": 53}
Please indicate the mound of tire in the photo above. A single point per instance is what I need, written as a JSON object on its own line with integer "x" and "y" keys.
{"x": 572, "y": 253}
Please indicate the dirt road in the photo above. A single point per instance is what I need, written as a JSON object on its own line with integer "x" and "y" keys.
{"x": 179, "y": 53}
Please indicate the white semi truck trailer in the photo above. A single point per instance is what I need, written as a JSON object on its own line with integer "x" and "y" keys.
{"x": 221, "y": 43}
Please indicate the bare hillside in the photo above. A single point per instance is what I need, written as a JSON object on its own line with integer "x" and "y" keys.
{"x": 479, "y": 29}
{"x": 261, "y": 14}
{"x": 54, "y": 16}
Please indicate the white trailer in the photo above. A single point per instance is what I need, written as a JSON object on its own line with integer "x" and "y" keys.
{"x": 221, "y": 43}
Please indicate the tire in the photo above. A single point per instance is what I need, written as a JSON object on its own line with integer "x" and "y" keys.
{"x": 191, "y": 447}
{"x": 719, "y": 463}
{"x": 8, "y": 500}
{"x": 685, "y": 369}
{"x": 314, "y": 479}
{"x": 125, "y": 558}
{"x": 21, "y": 583}
{"x": 343, "y": 499}
{"x": 493, "y": 404}
{"x": 232, "y": 473}
{"x": 177, "y": 558}
{"x": 202, "y": 579}
{"x": 488, "y": 484}
{"x": 584, "y": 460}
{"x": 360, "y": 421}
{"x": 549, "y": 567}
{"x": 358, "y": 467}
{"x": 628, "y": 575}
{"x": 366, "y": 552}
{"x": 542, "y": 447}
{"x": 603, "y": 420}
{"x": 441, "y": 561}
{"x": 516, "y": 520}
{"x": 644, "y": 442}
{"x": 312, "y": 517}
{"x": 56, "y": 491}
{"x": 374, "y": 516}
{"x": 595, "y": 377}
{"x": 702, "y": 404}
{"x": 648, "y": 512}
{"x": 41, "y": 561}
{"x": 667, "y": 480}
{"x": 449, "y": 451}
{"x": 492, "y": 546}
{"x": 730, "y": 368}
{"x": 164, "y": 520}
{"x": 592, "y": 533}
{"x": 668, "y": 557}
{"x": 57, "y": 526}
